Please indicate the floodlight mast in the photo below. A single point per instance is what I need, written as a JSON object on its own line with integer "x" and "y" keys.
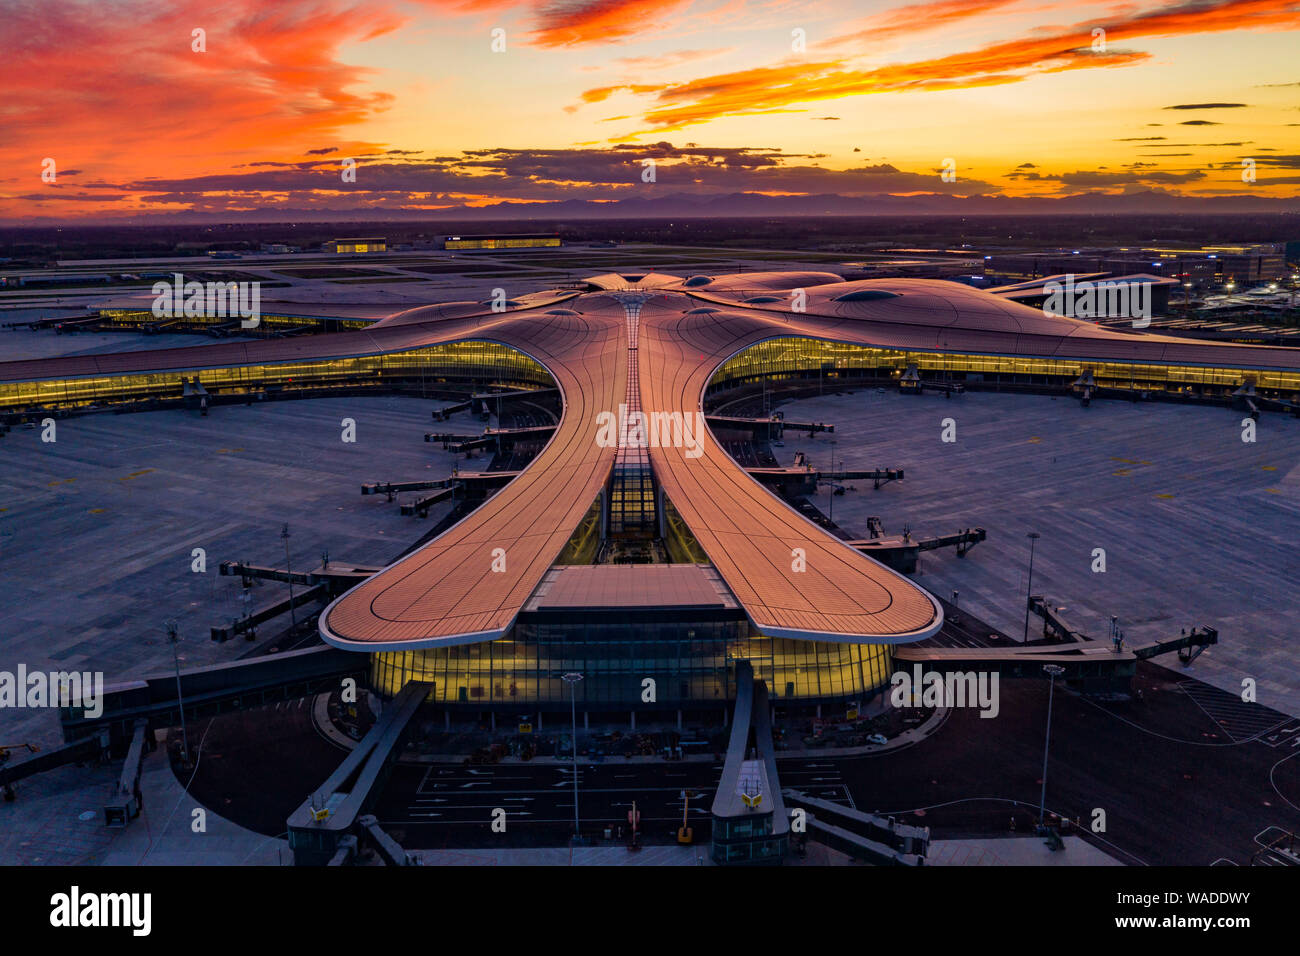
{"x": 1053, "y": 671}
{"x": 572, "y": 679}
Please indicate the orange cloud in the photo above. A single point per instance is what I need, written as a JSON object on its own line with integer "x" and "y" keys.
{"x": 676, "y": 58}
{"x": 1049, "y": 51}
{"x": 573, "y": 22}
{"x": 118, "y": 91}
{"x": 909, "y": 20}
{"x": 601, "y": 93}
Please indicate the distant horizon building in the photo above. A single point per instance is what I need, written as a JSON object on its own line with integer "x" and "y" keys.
{"x": 501, "y": 241}
{"x": 1204, "y": 265}
{"x": 355, "y": 246}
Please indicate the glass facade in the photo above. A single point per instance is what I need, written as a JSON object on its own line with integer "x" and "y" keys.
{"x": 789, "y": 358}
{"x": 359, "y": 245}
{"x": 133, "y": 318}
{"x": 775, "y": 359}
{"x": 632, "y": 496}
{"x": 585, "y": 542}
{"x": 501, "y": 242}
{"x": 747, "y": 839}
{"x": 632, "y": 485}
{"x": 478, "y": 362}
{"x": 691, "y": 663}
{"x": 678, "y": 541}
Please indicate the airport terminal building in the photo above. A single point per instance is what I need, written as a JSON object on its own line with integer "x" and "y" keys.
{"x": 618, "y": 624}
{"x": 651, "y": 564}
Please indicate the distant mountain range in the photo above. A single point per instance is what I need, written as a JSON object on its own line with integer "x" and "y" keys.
{"x": 830, "y": 204}
{"x": 732, "y": 205}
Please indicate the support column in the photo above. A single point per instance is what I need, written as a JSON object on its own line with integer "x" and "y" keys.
{"x": 492, "y": 715}
{"x": 446, "y": 720}
{"x": 679, "y": 718}
{"x": 539, "y": 721}
{"x": 633, "y": 715}
{"x": 585, "y": 725}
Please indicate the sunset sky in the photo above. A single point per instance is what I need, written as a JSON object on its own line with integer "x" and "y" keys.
{"x": 717, "y": 92}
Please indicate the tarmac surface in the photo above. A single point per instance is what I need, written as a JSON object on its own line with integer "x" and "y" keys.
{"x": 1198, "y": 527}
{"x": 1214, "y": 776}
{"x": 98, "y": 529}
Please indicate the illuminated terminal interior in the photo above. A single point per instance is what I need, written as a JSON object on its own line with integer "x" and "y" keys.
{"x": 619, "y": 624}
{"x": 691, "y": 662}
{"x": 782, "y": 359}
{"x": 371, "y": 244}
{"x": 502, "y": 242}
{"x": 144, "y": 318}
{"x": 460, "y": 362}
{"x": 779, "y": 360}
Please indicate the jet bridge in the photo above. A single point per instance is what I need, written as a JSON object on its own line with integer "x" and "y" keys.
{"x": 317, "y": 828}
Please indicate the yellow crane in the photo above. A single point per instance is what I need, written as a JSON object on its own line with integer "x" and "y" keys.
{"x": 685, "y": 834}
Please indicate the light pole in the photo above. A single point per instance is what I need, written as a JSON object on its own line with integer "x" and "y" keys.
{"x": 174, "y": 640}
{"x": 293, "y": 615}
{"x": 1029, "y": 586}
{"x": 1053, "y": 671}
{"x": 572, "y": 679}
{"x": 832, "y": 512}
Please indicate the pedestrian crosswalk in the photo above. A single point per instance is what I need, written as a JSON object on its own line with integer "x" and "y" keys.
{"x": 1237, "y": 719}
{"x": 816, "y": 778}
{"x": 1279, "y": 848}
